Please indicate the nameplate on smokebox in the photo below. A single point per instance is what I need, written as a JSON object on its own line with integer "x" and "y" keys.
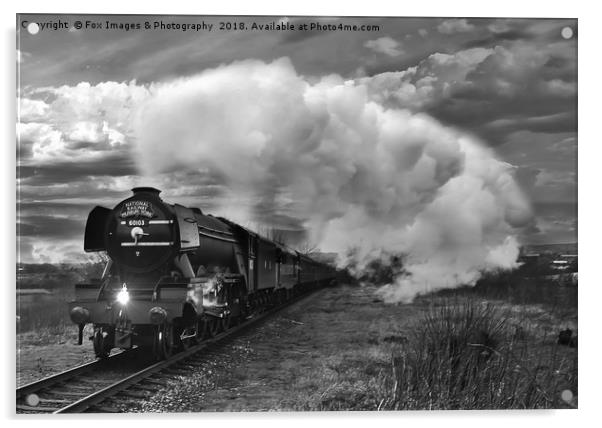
{"x": 137, "y": 209}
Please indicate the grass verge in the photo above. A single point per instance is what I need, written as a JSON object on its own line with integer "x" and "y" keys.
{"x": 471, "y": 355}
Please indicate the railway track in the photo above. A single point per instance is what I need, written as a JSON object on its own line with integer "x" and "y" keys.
{"x": 50, "y": 394}
{"x": 122, "y": 377}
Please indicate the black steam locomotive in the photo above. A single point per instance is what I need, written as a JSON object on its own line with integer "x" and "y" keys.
{"x": 176, "y": 275}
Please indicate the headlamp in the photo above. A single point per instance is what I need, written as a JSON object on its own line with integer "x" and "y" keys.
{"x": 123, "y": 296}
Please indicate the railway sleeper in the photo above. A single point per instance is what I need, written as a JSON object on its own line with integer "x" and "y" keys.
{"x": 155, "y": 382}
{"x": 134, "y": 394}
{"x": 64, "y": 393}
{"x": 38, "y": 409}
{"x": 73, "y": 388}
{"x": 173, "y": 377}
{"x": 87, "y": 381}
{"x": 146, "y": 388}
{"x": 176, "y": 371}
{"x": 104, "y": 409}
{"x": 149, "y": 388}
{"x": 190, "y": 366}
{"x": 54, "y": 401}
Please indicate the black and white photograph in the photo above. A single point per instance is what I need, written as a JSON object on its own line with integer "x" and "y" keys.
{"x": 295, "y": 213}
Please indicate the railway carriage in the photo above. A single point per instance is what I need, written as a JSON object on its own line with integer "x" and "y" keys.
{"x": 176, "y": 275}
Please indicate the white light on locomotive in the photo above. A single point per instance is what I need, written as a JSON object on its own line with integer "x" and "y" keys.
{"x": 123, "y": 296}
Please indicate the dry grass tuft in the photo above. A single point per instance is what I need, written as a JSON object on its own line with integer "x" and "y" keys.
{"x": 467, "y": 355}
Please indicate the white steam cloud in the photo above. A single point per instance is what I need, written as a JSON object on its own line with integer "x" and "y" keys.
{"x": 358, "y": 174}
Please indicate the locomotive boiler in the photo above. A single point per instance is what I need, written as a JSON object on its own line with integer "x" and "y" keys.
{"x": 176, "y": 275}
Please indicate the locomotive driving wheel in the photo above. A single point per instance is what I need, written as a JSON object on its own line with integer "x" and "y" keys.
{"x": 164, "y": 341}
{"x": 225, "y": 323}
{"x": 102, "y": 342}
{"x": 201, "y": 329}
{"x": 214, "y": 326}
{"x": 238, "y": 307}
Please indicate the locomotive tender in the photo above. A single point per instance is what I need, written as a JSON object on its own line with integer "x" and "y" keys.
{"x": 176, "y": 275}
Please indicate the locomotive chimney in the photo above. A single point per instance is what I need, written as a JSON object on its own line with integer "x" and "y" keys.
{"x": 149, "y": 190}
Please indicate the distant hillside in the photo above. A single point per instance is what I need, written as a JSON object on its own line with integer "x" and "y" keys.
{"x": 570, "y": 248}
{"x": 55, "y": 276}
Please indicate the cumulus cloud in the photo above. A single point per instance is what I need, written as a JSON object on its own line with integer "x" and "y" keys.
{"x": 71, "y": 140}
{"x": 494, "y": 91}
{"x": 342, "y": 161}
{"x": 555, "y": 178}
{"x": 510, "y": 82}
{"x": 78, "y": 123}
{"x": 499, "y": 26}
{"x": 68, "y": 131}
{"x": 428, "y": 83}
{"x": 31, "y": 110}
{"x": 451, "y": 26}
{"x": 385, "y": 45}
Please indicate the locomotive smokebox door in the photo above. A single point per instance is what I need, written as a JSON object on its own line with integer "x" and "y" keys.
{"x": 141, "y": 232}
{"x": 94, "y": 239}
{"x": 189, "y": 232}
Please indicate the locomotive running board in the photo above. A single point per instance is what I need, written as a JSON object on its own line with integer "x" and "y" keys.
{"x": 146, "y": 244}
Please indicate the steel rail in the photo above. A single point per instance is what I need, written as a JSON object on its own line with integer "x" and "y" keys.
{"x": 35, "y": 386}
{"x": 98, "y": 397}
{"x": 94, "y": 399}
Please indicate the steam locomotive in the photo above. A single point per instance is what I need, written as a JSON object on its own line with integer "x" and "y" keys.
{"x": 176, "y": 275}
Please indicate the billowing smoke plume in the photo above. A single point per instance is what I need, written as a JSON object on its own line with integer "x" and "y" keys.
{"x": 358, "y": 174}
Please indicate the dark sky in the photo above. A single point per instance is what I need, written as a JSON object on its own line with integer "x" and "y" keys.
{"x": 510, "y": 82}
